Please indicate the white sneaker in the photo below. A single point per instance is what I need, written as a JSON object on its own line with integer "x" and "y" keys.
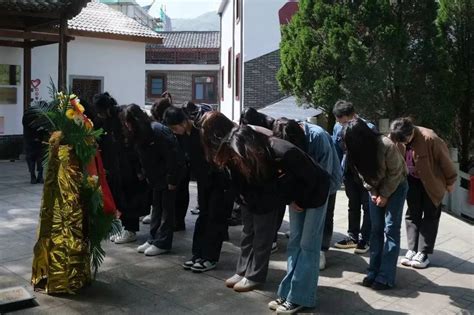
{"x": 322, "y": 260}
{"x": 142, "y": 248}
{"x": 245, "y": 285}
{"x": 274, "y": 247}
{"x": 273, "y": 305}
{"x": 407, "y": 260}
{"x": 147, "y": 219}
{"x": 113, "y": 237}
{"x": 153, "y": 251}
{"x": 420, "y": 261}
{"x": 233, "y": 280}
{"x": 126, "y": 237}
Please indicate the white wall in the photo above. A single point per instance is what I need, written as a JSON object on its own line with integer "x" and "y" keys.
{"x": 13, "y": 113}
{"x": 261, "y": 27}
{"x": 120, "y": 63}
{"x": 227, "y": 22}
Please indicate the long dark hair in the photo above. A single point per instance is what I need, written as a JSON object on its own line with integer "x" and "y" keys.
{"x": 140, "y": 123}
{"x": 362, "y": 145}
{"x": 291, "y": 131}
{"x": 214, "y": 127}
{"x": 248, "y": 152}
{"x": 250, "y": 116}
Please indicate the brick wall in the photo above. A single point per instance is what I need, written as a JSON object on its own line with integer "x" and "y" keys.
{"x": 11, "y": 147}
{"x": 260, "y": 83}
{"x": 180, "y": 84}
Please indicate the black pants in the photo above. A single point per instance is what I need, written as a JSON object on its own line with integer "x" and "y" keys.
{"x": 130, "y": 222}
{"x": 210, "y": 230}
{"x": 280, "y": 217}
{"x": 328, "y": 223}
{"x": 182, "y": 200}
{"x": 358, "y": 196}
{"x": 34, "y": 160}
{"x": 421, "y": 218}
{"x": 162, "y": 218}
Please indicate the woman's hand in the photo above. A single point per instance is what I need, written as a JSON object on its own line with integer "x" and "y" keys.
{"x": 381, "y": 201}
{"x": 295, "y": 207}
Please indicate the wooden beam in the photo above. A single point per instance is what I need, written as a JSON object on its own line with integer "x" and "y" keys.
{"x": 26, "y": 76}
{"x": 38, "y": 43}
{"x": 48, "y": 15}
{"x": 11, "y": 43}
{"x": 62, "y": 62}
{"x": 128, "y": 38}
{"x": 29, "y": 35}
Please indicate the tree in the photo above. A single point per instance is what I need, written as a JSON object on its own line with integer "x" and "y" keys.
{"x": 456, "y": 26}
{"x": 382, "y": 55}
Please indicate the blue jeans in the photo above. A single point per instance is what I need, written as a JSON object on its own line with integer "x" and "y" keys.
{"x": 306, "y": 233}
{"x": 386, "y": 223}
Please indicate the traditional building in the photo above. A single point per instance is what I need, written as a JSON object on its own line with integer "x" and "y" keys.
{"x": 106, "y": 52}
{"x": 186, "y": 65}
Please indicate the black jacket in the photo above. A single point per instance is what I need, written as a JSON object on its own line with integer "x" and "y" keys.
{"x": 300, "y": 178}
{"x": 160, "y": 157}
{"x": 295, "y": 178}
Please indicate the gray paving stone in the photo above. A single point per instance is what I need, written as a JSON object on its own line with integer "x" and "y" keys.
{"x": 130, "y": 283}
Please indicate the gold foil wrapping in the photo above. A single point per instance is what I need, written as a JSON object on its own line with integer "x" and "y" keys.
{"x": 61, "y": 262}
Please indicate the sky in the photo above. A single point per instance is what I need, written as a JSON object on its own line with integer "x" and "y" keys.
{"x": 184, "y": 9}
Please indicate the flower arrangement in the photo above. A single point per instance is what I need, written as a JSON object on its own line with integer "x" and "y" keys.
{"x": 66, "y": 116}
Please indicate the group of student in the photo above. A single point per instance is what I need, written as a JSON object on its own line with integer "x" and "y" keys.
{"x": 264, "y": 165}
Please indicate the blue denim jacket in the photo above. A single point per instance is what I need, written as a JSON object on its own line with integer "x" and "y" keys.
{"x": 323, "y": 151}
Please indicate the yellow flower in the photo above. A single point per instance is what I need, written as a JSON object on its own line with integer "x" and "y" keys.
{"x": 80, "y": 107}
{"x": 70, "y": 113}
{"x": 72, "y": 96}
{"x": 78, "y": 120}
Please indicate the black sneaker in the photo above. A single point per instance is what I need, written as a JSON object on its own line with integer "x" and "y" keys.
{"x": 362, "y": 247}
{"x": 288, "y": 308}
{"x": 367, "y": 282}
{"x": 40, "y": 179}
{"x": 33, "y": 179}
{"x": 203, "y": 265}
{"x": 380, "y": 286}
{"x": 346, "y": 243}
{"x": 420, "y": 261}
{"x": 189, "y": 263}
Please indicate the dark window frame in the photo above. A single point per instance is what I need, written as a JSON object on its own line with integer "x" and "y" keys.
{"x": 150, "y": 77}
{"x": 237, "y": 76}
{"x": 205, "y": 91}
{"x": 238, "y": 11}
{"x": 222, "y": 83}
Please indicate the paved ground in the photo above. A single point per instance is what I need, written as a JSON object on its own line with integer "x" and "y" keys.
{"x": 134, "y": 284}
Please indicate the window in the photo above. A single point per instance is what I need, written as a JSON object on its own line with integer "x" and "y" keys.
{"x": 87, "y": 86}
{"x": 237, "y": 77}
{"x": 229, "y": 67}
{"x": 204, "y": 89}
{"x": 222, "y": 83}
{"x": 156, "y": 85}
{"x": 237, "y": 10}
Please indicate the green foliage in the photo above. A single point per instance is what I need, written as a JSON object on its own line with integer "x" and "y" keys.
{"x": 385, "y": 58}
{"x": 456, "y": 33}
{"x": 101, "y": 225}
{"x": 52, "y": 116}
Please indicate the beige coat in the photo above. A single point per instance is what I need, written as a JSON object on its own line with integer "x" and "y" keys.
{"x": 432, "y": 163}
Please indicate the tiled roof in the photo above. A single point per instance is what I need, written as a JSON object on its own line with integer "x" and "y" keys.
{"x": 68, "y": 7}
{"x": 288, "y": 108}
{"x": 100, "y": 18}
{"x": 190, "y": 40}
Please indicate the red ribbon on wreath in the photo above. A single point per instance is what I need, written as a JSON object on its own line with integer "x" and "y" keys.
{"x": 96, "y": 168}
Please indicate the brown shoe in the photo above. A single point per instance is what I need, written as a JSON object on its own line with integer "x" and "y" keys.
{"x": 245, "y": 285}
